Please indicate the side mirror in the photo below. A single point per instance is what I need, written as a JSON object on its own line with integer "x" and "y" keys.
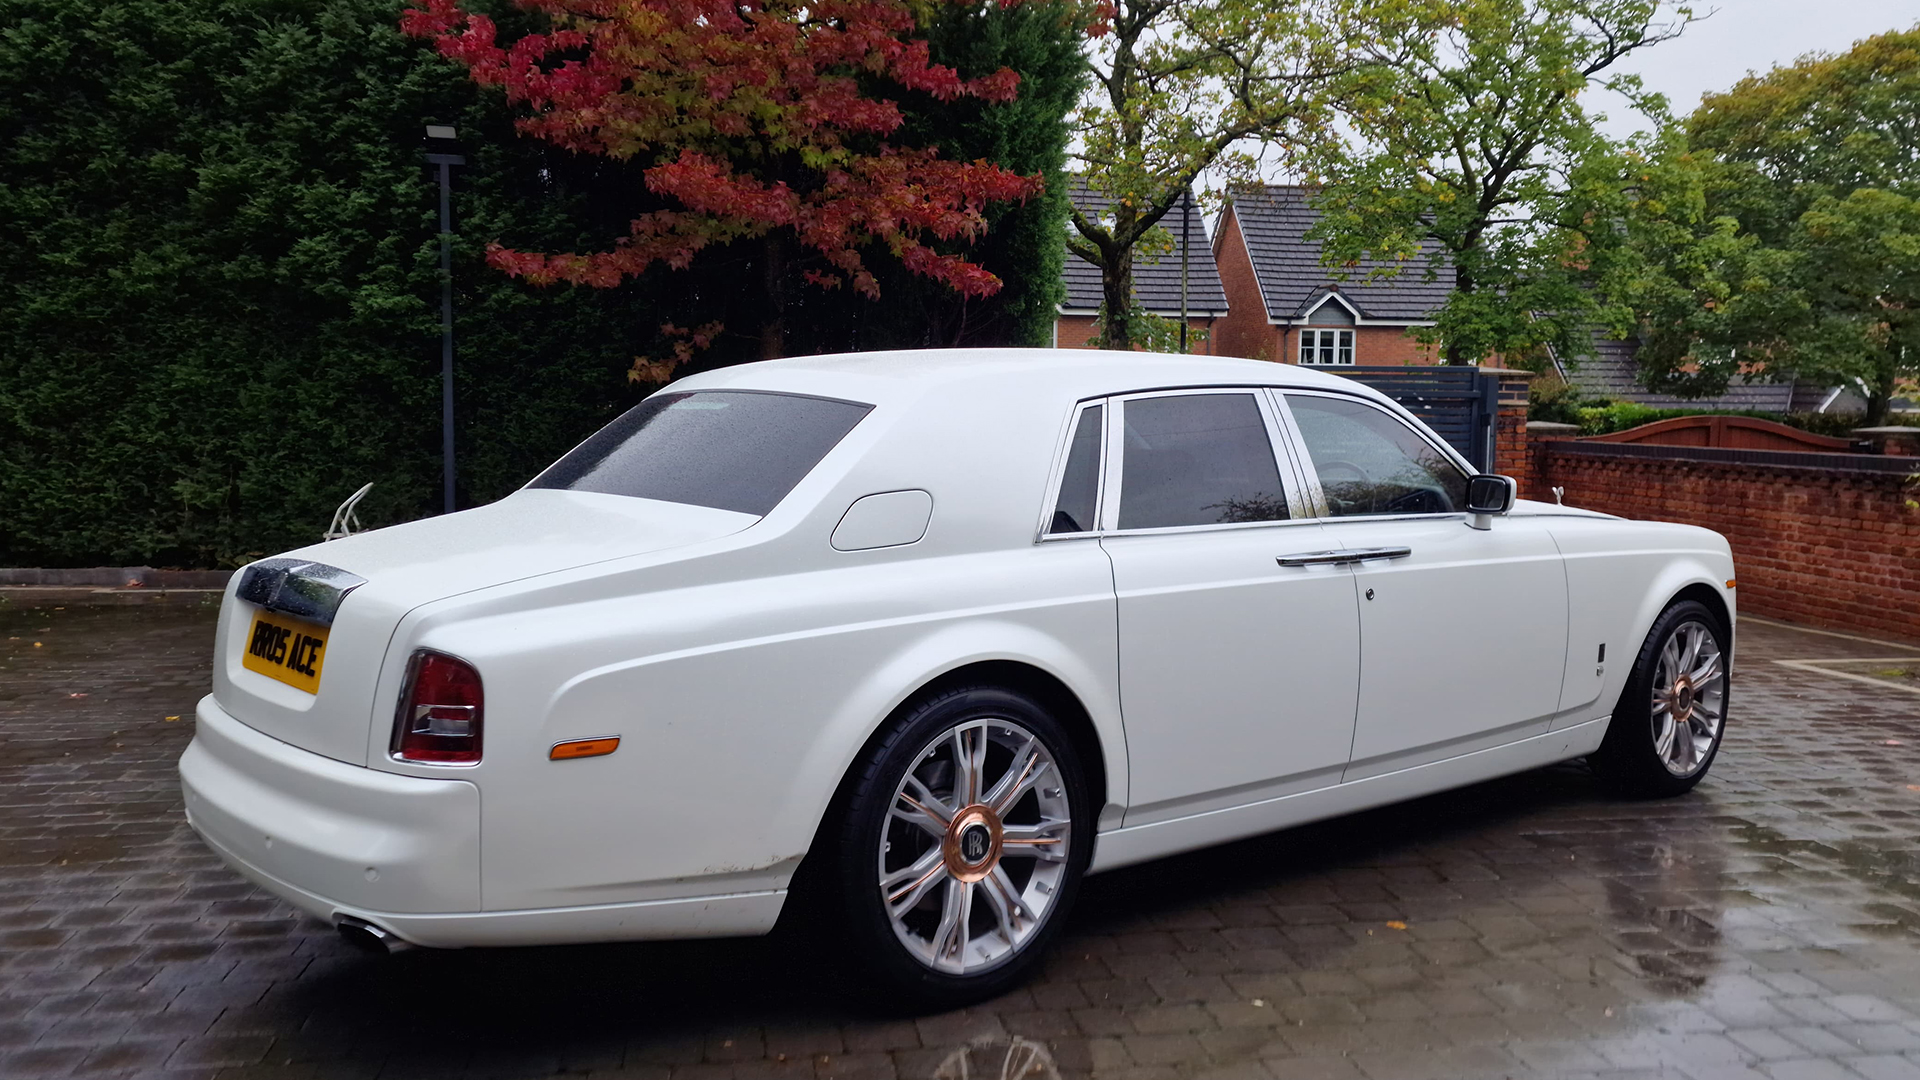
{"x": 1488, "y": 495}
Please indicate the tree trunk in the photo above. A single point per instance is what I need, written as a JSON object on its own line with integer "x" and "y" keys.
{"x": 1456, "y": 352}
{"x": 1880, "y": 390}
{"x": 1116, "y": 301}
{"x": 773, "y": 278}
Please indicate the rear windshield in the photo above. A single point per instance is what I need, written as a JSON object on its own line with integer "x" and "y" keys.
{"x": 739, "y": 450}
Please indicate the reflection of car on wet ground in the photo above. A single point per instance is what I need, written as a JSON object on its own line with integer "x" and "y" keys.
{"x": 954, "y": 628}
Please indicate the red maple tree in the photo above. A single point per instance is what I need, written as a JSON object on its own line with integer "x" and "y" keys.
{"x": 753, "y": 116}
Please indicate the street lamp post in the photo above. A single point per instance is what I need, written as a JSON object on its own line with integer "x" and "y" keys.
{"x": 440, "y": 152}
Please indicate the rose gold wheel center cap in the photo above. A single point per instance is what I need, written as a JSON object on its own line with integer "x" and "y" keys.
{"x": 1682, "y": 697}
{"x": 971, "y": 847}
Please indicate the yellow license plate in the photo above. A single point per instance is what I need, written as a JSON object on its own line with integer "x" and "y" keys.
{"x": 290, "y": 650}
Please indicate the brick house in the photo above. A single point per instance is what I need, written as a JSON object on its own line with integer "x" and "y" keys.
{"x": 1156, "y": 280}
{"x": 1284, "y": 305}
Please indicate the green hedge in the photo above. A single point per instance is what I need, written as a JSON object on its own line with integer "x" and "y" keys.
{"x": 220, "y": 314}
{"x": 219, "y": 311}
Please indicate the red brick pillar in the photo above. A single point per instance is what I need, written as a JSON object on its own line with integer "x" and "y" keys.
{"x": 1510, "y": 453}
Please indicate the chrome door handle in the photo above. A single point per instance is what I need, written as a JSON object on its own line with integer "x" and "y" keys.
{"x": 1343, "y": 556}
{"x": 1316, "y": 558}
{"x": 1363, "y": 554}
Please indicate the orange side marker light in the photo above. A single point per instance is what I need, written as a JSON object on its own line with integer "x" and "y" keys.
{"x": 1730, "y": 582}
{"x": 579, "y": 748}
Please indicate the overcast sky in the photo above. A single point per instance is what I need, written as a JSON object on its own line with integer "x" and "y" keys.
{"x": 1753, "y": 35}
{"x": 1737, "y": 37}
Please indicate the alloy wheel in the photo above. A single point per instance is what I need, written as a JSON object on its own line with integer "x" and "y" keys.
{"x": 1689, "y": 698}
{"x": 975, "y": 846}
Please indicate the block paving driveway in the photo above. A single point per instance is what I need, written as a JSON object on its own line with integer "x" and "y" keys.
{"x": 1768, "y": 925}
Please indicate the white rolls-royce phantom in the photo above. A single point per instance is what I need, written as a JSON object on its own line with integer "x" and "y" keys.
{"x": 950, "y": 630}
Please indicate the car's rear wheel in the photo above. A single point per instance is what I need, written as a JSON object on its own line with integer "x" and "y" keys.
{"x": 1672, "y": 715}
{"x": 961, "y": 845}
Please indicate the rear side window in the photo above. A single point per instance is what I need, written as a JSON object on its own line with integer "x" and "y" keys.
{"x": 740, "y": 450}
{"x": 1197, "y": 459}
{"x": 1080, "y": 485}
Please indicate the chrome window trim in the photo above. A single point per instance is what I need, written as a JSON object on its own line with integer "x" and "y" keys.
{"x": 1113, "y": 462}
{"x": 1222, "y": 526}
{"x": 1322, "y": 509}
{"x": 1062, "y": 451}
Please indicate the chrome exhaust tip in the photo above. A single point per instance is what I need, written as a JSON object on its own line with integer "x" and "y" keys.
{"x": 367, "y": 937}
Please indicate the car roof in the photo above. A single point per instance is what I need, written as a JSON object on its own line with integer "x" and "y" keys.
{"x": 893, "y": 378}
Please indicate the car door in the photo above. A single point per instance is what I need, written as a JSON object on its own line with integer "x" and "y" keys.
{"x": 1463, "y": 630}
{"x": 1238, "y": 676}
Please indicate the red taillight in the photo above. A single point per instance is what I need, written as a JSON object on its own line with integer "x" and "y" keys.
{"x": 440, "y": 711}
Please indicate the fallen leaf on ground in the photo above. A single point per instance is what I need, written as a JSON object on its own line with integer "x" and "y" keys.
{"x": 1396, "y": 924}
{"x": 171, "y": 719}
{"x": 76, "y": 695}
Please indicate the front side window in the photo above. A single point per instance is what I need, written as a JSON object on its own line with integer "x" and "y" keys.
{"x": 1371, "y": 463}
{"x": 1079, "y": 498}
{"x": 739, "y": 450}
{"x": 1197, "y": 459}
{"x": 1326, "y": 348}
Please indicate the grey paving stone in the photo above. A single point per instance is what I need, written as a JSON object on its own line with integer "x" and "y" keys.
{"x": 1763, "y": 927}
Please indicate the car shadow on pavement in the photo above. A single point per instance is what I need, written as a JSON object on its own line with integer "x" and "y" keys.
{"x": 1366, "y": 838}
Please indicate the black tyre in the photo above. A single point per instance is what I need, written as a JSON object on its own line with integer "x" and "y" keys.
{"x": 1672, "y": 715}
{"x": 960, "y": 845}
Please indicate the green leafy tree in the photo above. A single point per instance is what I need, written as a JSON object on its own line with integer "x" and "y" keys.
{"x": 1179, "y": 87}
{"x": 1820, "y": 128}
{"x": 1835, "y": 300}
{"x": 1702, "y": 297}
{"x": 1470, "y": 143}
{"x": 1808, "y": 175}
{"x": 1858, "y": 263}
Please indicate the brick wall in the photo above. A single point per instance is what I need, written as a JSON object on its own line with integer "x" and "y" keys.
{"x": 1371, "y": 345}
{"x": 1077, "y": 332}
{"x": 1835, "y": 547}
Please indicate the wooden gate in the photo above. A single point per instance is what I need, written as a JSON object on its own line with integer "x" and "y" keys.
{"x": 1728, "y": 432}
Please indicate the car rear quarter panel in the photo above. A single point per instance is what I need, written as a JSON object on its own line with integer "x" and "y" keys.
{"x": 743, "y": 681}
{"x": 1620, "y": 576}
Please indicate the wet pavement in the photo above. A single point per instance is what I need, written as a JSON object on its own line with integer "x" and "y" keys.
{"x": 1768, "y": 925}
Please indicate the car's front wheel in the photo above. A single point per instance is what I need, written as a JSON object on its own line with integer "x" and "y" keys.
{"x": 963, "y": 838}
{"x": 1672, "y": 715}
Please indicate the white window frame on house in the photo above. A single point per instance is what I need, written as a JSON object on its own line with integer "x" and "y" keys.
{"x": 1326, "y": 348}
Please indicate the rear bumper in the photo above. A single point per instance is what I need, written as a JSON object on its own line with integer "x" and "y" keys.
{"x": 326, "y": 835}
{"x": 400, "y": 852}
